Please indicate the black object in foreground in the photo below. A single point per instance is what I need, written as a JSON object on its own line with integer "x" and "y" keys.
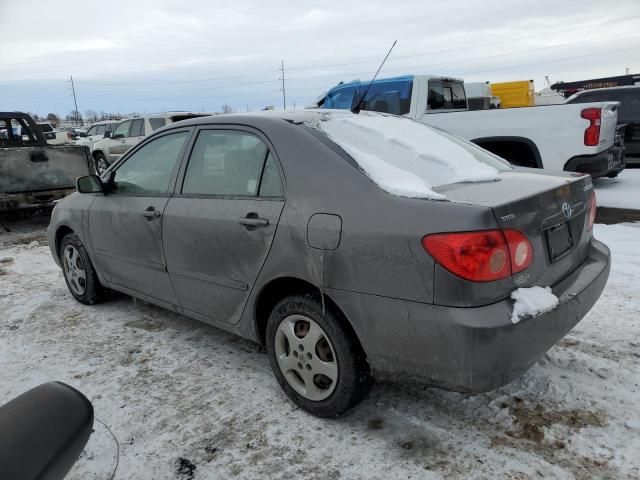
{"x": 43, "y": 432}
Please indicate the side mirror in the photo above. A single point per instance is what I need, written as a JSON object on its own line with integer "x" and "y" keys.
{"x": 89, "y": 184}
{"x": 107, "y": 134}
{"x": 43, "y": 432}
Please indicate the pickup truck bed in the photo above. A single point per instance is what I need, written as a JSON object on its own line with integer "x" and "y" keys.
{"x": 34, "y": 174}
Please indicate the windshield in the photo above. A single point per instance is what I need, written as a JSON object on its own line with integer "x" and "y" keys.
{"x": 408, "y": 158}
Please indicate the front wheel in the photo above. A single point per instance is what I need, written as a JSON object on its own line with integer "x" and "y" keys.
{"x": 317, "y": 361}
{"x": 101, "y": 163}
{"x": 79, "y": 274}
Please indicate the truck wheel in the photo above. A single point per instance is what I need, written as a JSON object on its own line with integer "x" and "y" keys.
{"x": 101, "y": 163}
{"x": 317, "y": 361}
{"x": 78, "y": 271}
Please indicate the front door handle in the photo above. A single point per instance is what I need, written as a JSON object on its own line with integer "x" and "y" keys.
{"x": 151, "y": 213}
{"x": 252, "y": 221}
{"x": 39, "y": 157}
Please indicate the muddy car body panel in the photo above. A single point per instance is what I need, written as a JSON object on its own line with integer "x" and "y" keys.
{"x": 34, "y": 174}
{"x": 223, "y": 259}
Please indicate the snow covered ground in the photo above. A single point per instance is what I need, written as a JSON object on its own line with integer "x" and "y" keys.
{"x": 186, "y": 401}
{"x": 620, "y": 192}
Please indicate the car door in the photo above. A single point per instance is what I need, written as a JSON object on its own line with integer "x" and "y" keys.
{"x": 219, "y": 225}
{"x": 125, "y": 223}
{"x": 117, "y": 145}
{"x": 136, "y": 133}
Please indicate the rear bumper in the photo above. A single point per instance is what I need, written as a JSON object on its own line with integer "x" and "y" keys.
{"x": 31, "y": 201}
{"x": 598, "y": 165}
{"x": 474, "y": 349}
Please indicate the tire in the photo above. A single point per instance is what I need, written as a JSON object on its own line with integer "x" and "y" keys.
{"x": 101, "y": 163}
{"x": 79, "y": 274}
{"x": 613, "y": 175}
{"x": 300, "y": 362}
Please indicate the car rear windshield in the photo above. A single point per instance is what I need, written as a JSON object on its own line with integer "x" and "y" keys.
{"x": 408, "y": 158}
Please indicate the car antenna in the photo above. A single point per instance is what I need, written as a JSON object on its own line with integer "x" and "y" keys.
{"x": 356, "y": 108}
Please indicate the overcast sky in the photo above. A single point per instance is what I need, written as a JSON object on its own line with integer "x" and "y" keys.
{"x": 154, "y": 55}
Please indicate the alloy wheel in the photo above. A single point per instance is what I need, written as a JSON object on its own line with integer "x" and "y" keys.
{"x": 306, "y": 357}
{"x": 74, "y": 270}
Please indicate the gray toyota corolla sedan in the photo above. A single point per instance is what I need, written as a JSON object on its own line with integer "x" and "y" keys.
{"x": 351, "y": 246}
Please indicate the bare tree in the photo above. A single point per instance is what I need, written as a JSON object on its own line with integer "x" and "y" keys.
{"x": 227, "y": 109}
{"x": 52, "y": 117}
{"x": 74, "y": 116}
{"x": 91, "y": 115}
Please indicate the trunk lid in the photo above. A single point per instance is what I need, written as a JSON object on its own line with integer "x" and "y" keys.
{"x": 550, "y": 209}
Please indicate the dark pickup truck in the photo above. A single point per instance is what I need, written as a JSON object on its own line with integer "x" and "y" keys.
{"x": 33, "y": 173}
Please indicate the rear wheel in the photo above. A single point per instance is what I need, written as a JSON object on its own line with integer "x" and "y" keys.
{"x": 101, "y": 163}
{"x": 317, "y": 361}
{"x": 79, "y": 274}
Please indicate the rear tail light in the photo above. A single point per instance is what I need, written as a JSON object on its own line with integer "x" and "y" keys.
{"x": 521, "y": 250}
{"x": 592, "y": 133}
{"x": 481, "y": 256}
{"x": 592, "y": 210}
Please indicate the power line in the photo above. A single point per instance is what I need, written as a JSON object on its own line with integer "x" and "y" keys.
{"x": 466, "y": 60}
{"x": 398, "y": 69}
{"x": 481, "y": 45}
{"x": 395, "y": 59}
{"x": 636, "y": 47}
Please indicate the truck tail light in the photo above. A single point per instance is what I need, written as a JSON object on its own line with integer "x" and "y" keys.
{"x": 592, "y": 133}
{"x": 481, "y": 256}
{"x": 592, "y": 211}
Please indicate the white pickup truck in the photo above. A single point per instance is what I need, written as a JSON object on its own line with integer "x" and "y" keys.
{"x": 580, "y": 138}
{"x": 52, "y": 135}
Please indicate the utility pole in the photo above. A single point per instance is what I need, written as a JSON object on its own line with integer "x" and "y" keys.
{"x": 284, "y": 93}
{"x": 75, "y": 102}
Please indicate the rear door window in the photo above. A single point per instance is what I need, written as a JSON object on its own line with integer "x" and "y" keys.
{"x": 137, "y": 128}
{"x": 446, "y": 95}
{"x": 231, "y": 163}
{"x": 157, "y": 123}
{"x": 271, "y": 183}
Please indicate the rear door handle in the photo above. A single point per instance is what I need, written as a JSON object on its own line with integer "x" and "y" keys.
{"x": 39, "y": 157}
{"x": 151, "y": 213}
{"x": 252, "y": 221}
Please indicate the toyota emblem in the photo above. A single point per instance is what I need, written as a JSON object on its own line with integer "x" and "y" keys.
{"x": 567, "y": 210}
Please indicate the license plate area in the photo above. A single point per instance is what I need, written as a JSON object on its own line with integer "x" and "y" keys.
{"x": 559, "y": 241}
